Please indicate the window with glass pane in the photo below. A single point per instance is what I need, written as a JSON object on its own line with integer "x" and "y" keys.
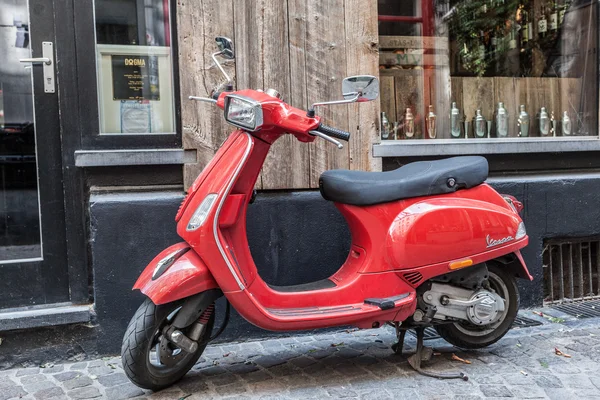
{"x": 480, "y": 69}
{"x": 135, "y": 73}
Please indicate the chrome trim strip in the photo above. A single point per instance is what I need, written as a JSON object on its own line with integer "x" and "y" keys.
{"x": 216, "y": 220}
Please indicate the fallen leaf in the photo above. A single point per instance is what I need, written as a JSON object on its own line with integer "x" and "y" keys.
{"x": 47, "y": 365}
{"x": 337, "y": 344}
{"x": 544, "y": 364}
{"x": 226, "y": 354}
{"x": 93, "y": 377}
{"x": 457, "y": 358}
{"x": 518, "y": 344}
{"x": 184, "y": 397}
{"x": 113, "y": 366}
{"x": 560, "y": 353}
{"x": 524, "y": 373}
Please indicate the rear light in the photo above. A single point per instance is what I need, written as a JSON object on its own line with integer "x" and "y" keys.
{"x": 183, "y": 206}
{"x": 514, "y": 203}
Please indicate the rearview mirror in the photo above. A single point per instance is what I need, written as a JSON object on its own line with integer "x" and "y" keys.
{"x": 360, "y": 88}
{"x": 226, "y": 47}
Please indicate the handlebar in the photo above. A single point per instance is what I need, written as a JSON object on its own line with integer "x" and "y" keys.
{"x": 334, "y": 132}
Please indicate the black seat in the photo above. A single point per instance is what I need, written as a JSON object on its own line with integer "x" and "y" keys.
{"x": 422, "y": 178}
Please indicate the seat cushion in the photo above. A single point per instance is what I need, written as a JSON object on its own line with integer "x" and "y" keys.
{"x": 422, "y": 178}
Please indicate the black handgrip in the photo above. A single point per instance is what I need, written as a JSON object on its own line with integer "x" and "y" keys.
{"x": 334, "y": 132}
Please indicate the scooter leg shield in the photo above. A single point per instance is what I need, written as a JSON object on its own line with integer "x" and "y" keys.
{"x": 516, "y": 265}
{"x": 176, "y": 273}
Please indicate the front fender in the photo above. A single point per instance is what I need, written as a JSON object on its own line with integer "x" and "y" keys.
{"x": 187, "y": 275}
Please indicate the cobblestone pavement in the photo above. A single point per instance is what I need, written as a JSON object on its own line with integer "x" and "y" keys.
{"x": 348, "y": 364}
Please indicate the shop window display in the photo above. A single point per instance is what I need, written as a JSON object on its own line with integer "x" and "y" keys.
{"x": 484, "y": 69}
{"x": 135, "y": 73}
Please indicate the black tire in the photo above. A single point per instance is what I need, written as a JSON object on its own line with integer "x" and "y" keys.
{"x": 458, "y": 333}
{"x": 140, "y": 340}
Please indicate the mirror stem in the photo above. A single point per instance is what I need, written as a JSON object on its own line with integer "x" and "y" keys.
{"x": 220, "y": 67}
{"x": 311, "y": 110}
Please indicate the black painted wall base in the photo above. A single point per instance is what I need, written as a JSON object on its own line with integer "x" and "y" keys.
{"x": 295, "y": 238}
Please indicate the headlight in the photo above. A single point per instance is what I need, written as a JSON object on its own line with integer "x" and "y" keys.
{"x": 243, "y": 112}
{"x": 521, "y": 231}
{"x": 201, "y": 212}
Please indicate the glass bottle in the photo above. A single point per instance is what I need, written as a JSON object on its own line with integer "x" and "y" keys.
{"x": 524, "y": 122}
{"x": 431, "y": 123}
{"x": 501, "y": 121}
{"x": 542, "y": 23}
{"x": 409, "y": 124}
{"x": 553, "y": 24}
{"x": 480, "y": 125}
{"x": 566, "y": 124}
{"x": 396, "y": 130}
{"x": 544, "y": 122}
{"x": 385, "y": 127}
{"x": 553, "y": 124}
{"x": 525, "y": 26}
{"x": 455, "y": 121}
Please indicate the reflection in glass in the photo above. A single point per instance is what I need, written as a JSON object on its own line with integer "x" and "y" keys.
{"x": 478, "y": 53}
{"x": 135, "y": 78}
{"x": 19, "y": 207}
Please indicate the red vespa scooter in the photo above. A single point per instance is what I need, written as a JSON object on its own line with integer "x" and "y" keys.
{"x": 432, "y": 245}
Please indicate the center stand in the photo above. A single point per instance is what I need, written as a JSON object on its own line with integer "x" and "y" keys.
{"x": 423, "y": 354}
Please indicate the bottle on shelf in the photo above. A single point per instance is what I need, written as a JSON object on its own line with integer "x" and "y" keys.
{"x": 542, "y": 23}
{"x": 480, "y": 125}
{"x": 385, "y": 127}
{"x": 544, "y": 122}
{"x": 409, "y": 124}
{"x": 553, "y": 124}
{"x": 553, "y": 24}
{"x": 396, "y": 131}
{"x": 455, "y": 121}
{"x": 431, "y": 123}
{"x": 524, "y": 122}
{"x": 501, "y": 121}
{"x": 567, "y": 125}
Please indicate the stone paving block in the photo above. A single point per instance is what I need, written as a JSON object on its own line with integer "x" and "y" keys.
{"x": 37, "y": 386}
{"x": 495, "y": 391}
{"x": 125, "y": 391}
{"x": 528, "y": 392}
{"x": 79, "y": 366}
{"x": 28, "y": 371}
{"x": 100, "y": 370}
{"x": 11, "y": 392}
{"x": 341, "y": 393}
{"x": 78, "y": 382}
{"x": 28, "y": 379}
{"x": 48, "y": 393}
{"x": 548, "y": 381}
{"x": 89, "y": 392}
{"x": 269, "y": 361}
{"x": 112, "y": 379}
{"x": 65, "y": 376}
{"x": 54, "y": 369}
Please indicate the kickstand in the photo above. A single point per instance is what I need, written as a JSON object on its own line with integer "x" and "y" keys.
{"x": 424, "y": 354}
{"x": 400, "y": 333}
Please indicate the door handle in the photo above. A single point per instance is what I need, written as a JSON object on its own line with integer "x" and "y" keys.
{"x": 40, "y": 60}
{"x": 47, "y": 61}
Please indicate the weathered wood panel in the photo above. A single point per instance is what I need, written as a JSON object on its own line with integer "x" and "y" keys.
{"x": 361, "y": 50}
{"x": 303, "y": 49}
{"x": 203, "y": 127}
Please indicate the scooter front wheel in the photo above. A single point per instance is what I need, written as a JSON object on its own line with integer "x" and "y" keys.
{"x": 469, "y": 336}
{"x": 149, "y": 360}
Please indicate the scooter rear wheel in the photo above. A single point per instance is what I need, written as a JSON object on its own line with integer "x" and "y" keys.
{"x": 142, "y": 345}
{"x": 469, "y": 336}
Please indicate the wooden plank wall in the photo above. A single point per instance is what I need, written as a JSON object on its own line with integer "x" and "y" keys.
{"x": 302, "y": 48}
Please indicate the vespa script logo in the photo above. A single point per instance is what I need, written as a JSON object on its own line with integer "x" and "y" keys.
{"x": 493, "y": 242}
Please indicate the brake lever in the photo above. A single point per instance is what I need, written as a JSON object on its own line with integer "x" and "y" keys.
{"x": 204, "y": 99}
{"x": 328, "y": 138}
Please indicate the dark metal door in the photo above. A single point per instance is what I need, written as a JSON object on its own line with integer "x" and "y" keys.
{"x": 33, "y": 246}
